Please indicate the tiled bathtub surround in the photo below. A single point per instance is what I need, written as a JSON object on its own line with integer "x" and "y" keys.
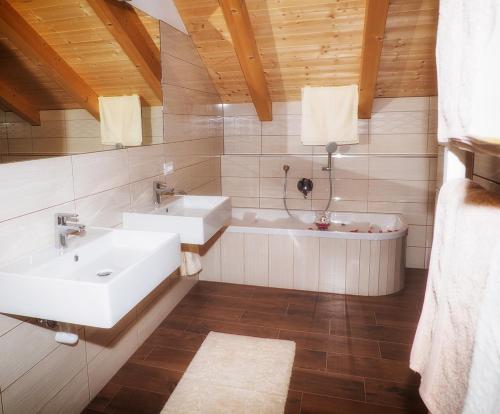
{"x": 392, "y": 169}
{"x": 36, "y": 373}
{"x": 69, "y": 131}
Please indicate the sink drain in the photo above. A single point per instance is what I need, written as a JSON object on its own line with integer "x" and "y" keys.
{"x": 104, "y": 272}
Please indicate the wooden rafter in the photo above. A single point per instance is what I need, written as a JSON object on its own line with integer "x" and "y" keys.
{"x": 373, "y": 40}
{"x": 126, "y": 27}
{"x": 29, "y": 42}
{"x": 18, "y": 104}
{"x": 238, "y": 21}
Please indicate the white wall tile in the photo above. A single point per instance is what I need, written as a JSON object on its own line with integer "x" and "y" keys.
{"x": 285, "y": 144}
{"x": 399, "y": 143}
{"x": 398, "y": 191}
{"x": 415, "y": 257}
{"x": 211, "y": 263}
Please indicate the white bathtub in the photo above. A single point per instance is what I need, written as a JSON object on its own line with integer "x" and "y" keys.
{"x": 361, "y": 253}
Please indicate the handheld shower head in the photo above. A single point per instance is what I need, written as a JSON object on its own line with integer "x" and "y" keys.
{"x": 331, "y": 147}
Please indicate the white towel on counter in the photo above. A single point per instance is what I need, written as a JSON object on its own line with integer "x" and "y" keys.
{"x": 330, "y": 114}
{"x": 121, "y": 121}
{"x": 466, "y": 232}
{"x": 468, "y": 64}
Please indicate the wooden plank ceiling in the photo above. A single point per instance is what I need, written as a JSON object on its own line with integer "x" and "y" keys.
{"x": 317, "y": 43}
{"x": 77, "y": 34}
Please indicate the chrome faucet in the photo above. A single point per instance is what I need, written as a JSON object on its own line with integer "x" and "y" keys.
{"x": 66, "y": 224}
{"x": 160, "y": 189}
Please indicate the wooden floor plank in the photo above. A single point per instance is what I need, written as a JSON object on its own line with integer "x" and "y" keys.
{"x": 352, "y": 352}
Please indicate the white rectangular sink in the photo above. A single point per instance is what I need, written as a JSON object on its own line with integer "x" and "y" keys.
{"x": 71, "y": 285}
{"x": 195, "y": 218}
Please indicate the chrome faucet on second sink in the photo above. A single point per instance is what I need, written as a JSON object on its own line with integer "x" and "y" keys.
{"x": 160, "y": 189}
{"x": 66, "y": 224}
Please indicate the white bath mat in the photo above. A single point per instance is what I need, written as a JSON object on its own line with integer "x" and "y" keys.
{"x": 235, "y": 374}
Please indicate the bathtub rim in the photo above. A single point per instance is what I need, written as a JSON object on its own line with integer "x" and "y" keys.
{"x": 332, "y": 234}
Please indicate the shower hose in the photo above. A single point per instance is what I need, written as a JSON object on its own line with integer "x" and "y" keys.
{"x": 285, "y": 186}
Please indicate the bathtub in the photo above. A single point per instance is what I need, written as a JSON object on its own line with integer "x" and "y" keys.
{"x": 360, "y": 254}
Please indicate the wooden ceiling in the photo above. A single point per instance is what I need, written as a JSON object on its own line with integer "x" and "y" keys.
{"x": 317, "y": 43}
{"x": 74, "y": 31}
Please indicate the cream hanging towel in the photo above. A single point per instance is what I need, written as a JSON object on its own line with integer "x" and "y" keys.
{"x": 330, "y": 114}
{"x": 121, "y": 121}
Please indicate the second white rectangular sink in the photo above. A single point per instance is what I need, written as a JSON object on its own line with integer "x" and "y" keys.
{"x": 195, "y": 218}
{"x": 95, "y": 281}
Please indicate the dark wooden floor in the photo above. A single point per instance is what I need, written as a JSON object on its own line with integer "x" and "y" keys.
{"x": 352, "y": 352}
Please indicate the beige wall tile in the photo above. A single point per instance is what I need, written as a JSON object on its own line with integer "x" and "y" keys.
{"x": 145, "y": 162}
{"x": 399, "y": 143}
{"x": 413, "y": 213}
{"x": 300, "y": 166}
{"x": 232, "y": 258}
{"x": 20, "y": 145}
{"x": 398, "y": 168}
{"x": 401, "y": 104}
{"x": 282, "y": 125}
{"x": 99, "y": 171}
{"x": 341, "y": 189}
{"x": 242, "y": 126}
{"x": 239, "y": 109}
{"x": 178, "y": 44}
{"x": 104, "y": 209}
{"x": 416, "y": 236}
{"x": 415, "y": 257}
{"x": 287, "y": 108}
{"x": 82, "y": 128}
{"x": 280, "y": 261}
{"x": 256, "y": 259}
{"x": 242, "y": 144}
{"x": 184, "y": 74}
{"x": 239, "y": 166}
{"x": 273, "y": 188}
{"x": 240, "y": 186}
{"x": 38, "y": 386}
{"x": 306, "y": 263}
{"x": 250, "y": 202}
{"x": 284, "y": 144}
{"x": 32, "y": 186}
{"x": 49, "y": 129}
{"x": 73, "y": 398}
{"x": 141, "y": 193}
{"x": 182, "y": 101}
{"x": 292, "y": 203}
{"x": 414, "y": 122}
{"x": 398, "y": 191}
{"x": 7, "y": 323}
{"x": 345, "y": 167}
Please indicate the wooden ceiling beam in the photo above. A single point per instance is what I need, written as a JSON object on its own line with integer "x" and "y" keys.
{"x": 126, "y": 27}
{"x": 239, "y": 25}
{"x": 373, "y": 40}
{"x": 29, "y": 42}
{"x": 12, "y": 100}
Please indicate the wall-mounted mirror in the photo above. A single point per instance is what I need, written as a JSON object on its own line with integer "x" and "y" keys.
{"x": 41, "y": 110}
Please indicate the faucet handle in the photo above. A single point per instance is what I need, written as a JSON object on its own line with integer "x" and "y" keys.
{"x": 62, "y": 218}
